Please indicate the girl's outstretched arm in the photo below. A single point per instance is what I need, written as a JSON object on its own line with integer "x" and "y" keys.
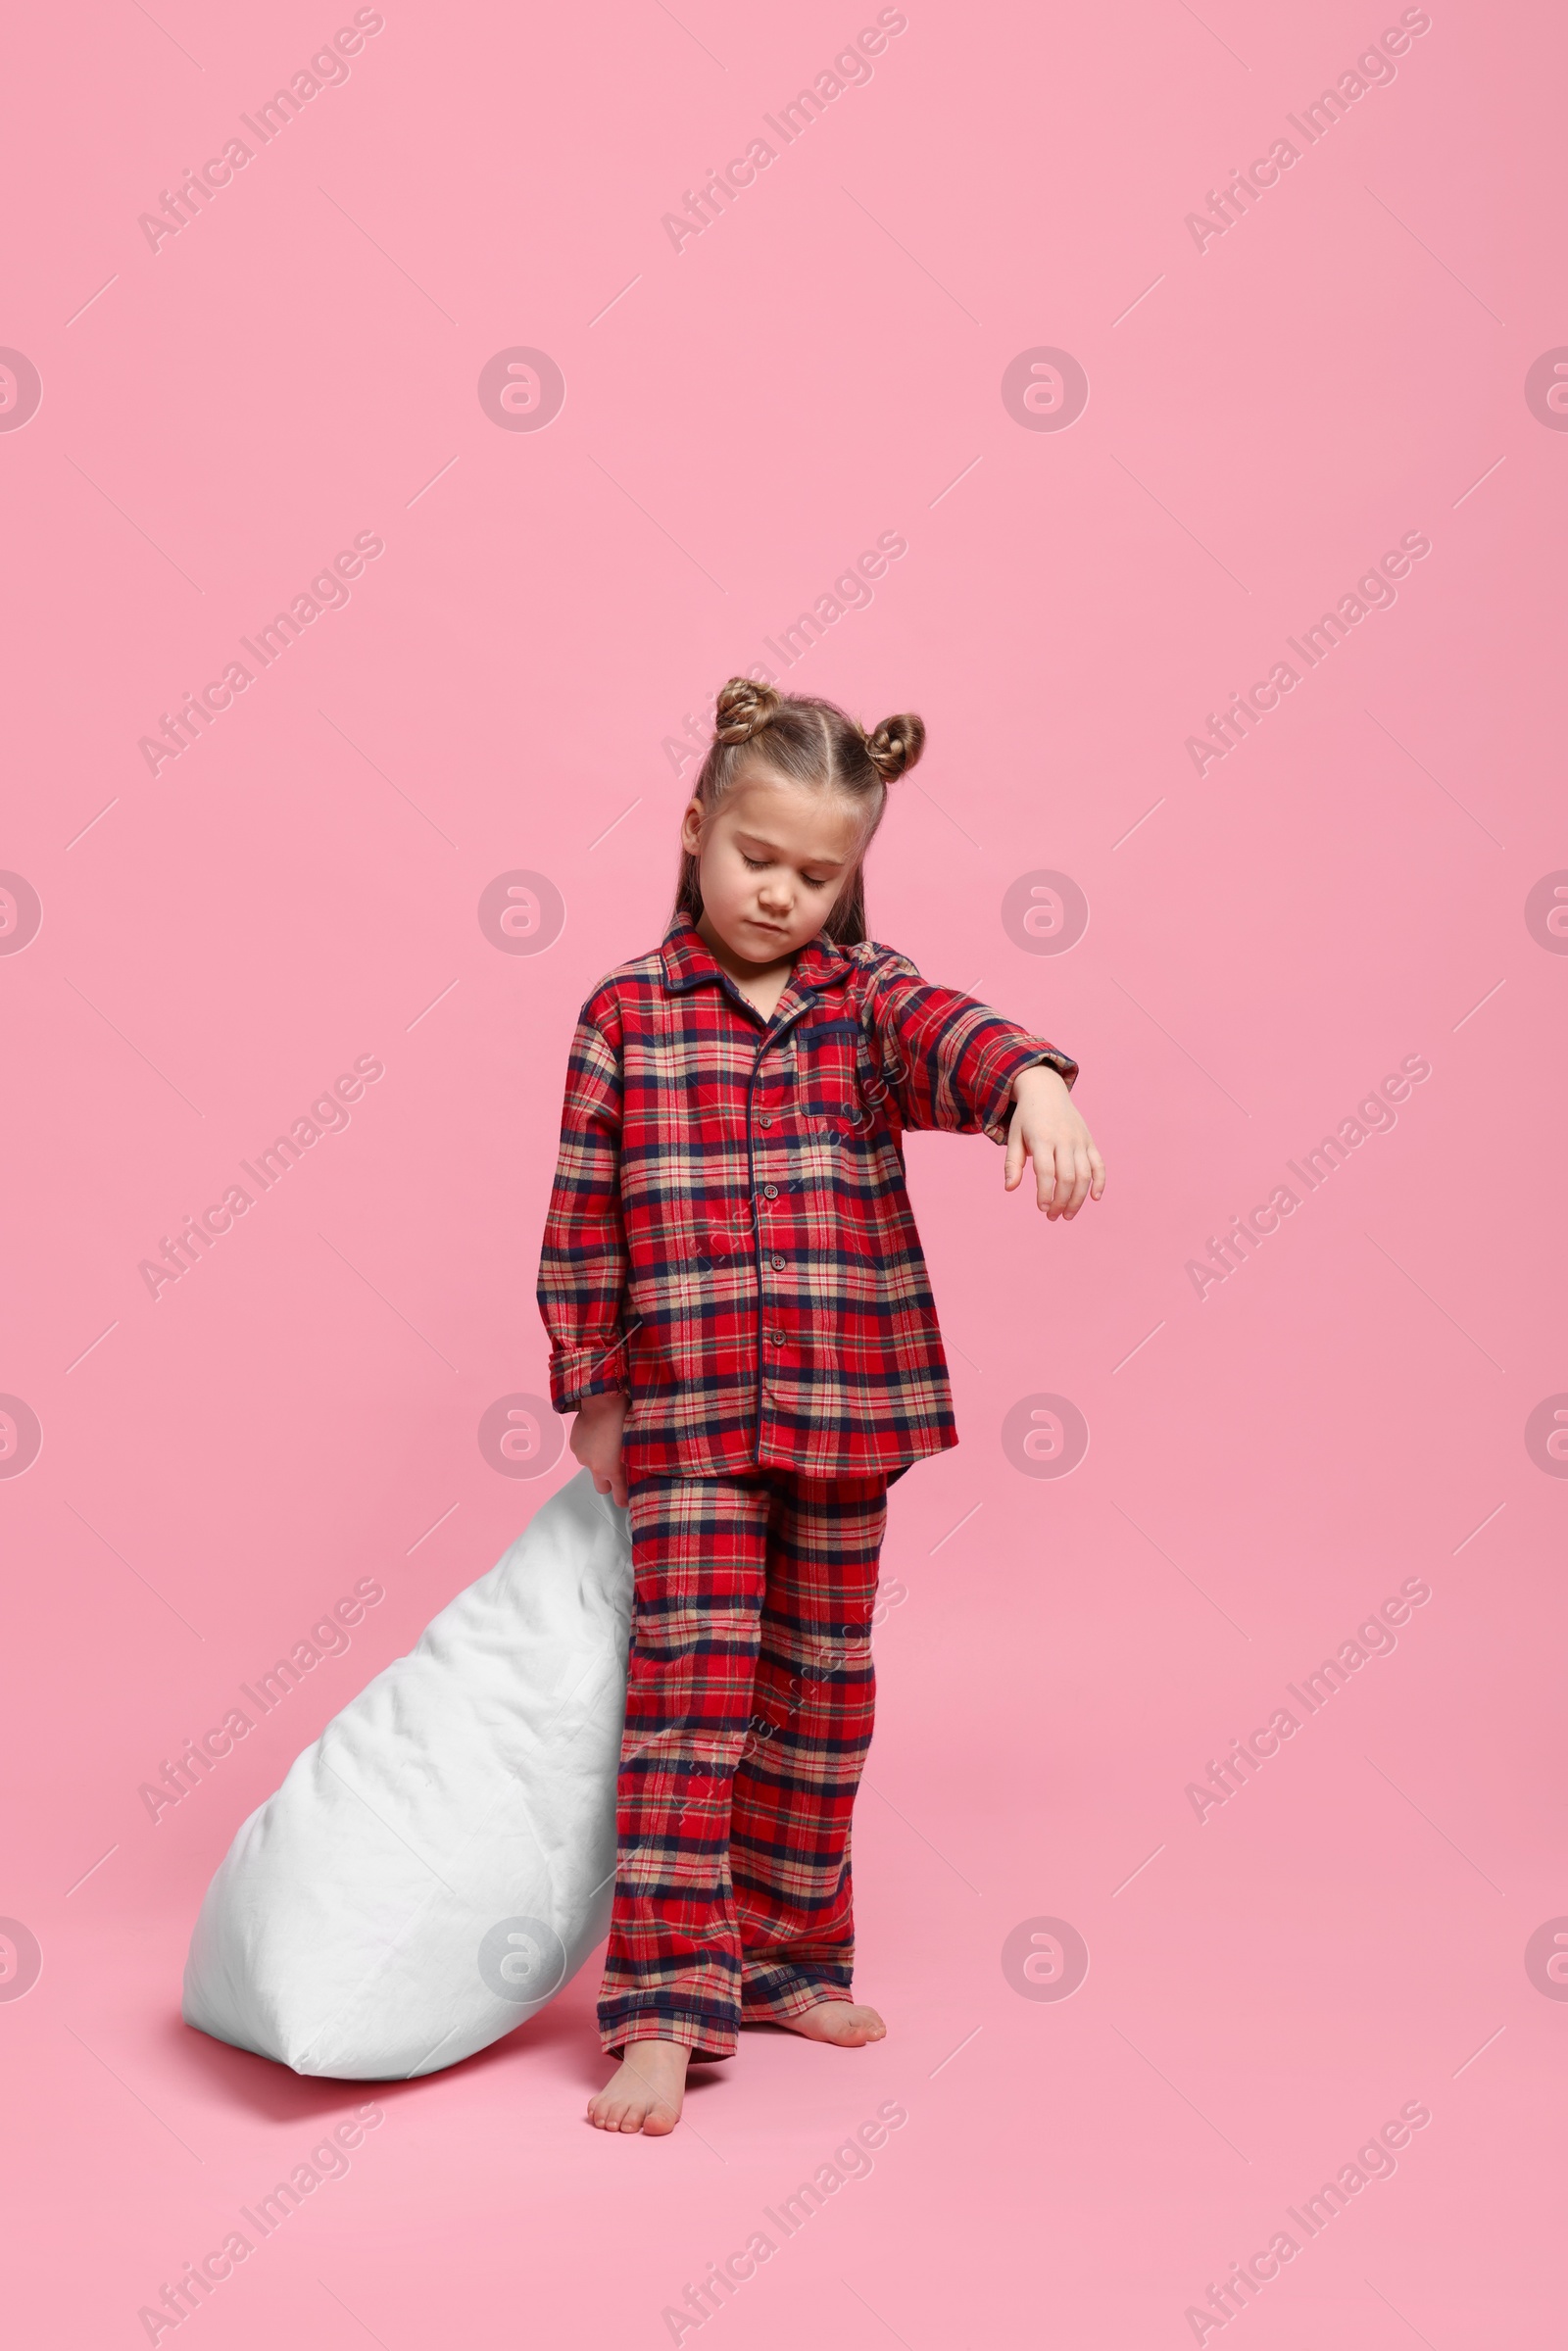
{"x": 948, "y": 1062}
{"x": 1048, "y": 1128}
{"x": 952, "y": 1063}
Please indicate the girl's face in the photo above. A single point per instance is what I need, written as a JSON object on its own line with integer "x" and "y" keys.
{"x": 772, "y": 863}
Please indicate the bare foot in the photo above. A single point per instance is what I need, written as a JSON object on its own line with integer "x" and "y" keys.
{"x": 836, "y": 2020}
{"x": 644, "y": 2093}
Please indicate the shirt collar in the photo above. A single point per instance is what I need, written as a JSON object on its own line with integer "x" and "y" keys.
{"x": 689, "y": 960}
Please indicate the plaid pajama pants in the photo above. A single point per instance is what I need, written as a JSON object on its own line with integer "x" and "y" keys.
{"x": 749, "y": 1707}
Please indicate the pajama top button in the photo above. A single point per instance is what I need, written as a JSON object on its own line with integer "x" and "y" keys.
{"x": 765, "y": 1122}
{"x": 771, "y": 1191}
{"x": 777, "y": 1264}
{"x": 776, "y": 1338}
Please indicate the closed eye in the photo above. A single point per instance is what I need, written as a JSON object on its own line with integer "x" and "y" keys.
{"x": 762, "y": 864}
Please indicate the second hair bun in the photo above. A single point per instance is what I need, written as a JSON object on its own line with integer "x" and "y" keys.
{"x": 895, "y": 745}
{"x": 743, "y": 710}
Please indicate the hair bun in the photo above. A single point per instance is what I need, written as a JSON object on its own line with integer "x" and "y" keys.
{"x": 895, "y": 745}
{"x": 743, "y": 710}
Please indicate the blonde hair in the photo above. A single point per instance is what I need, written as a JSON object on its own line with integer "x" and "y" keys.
{"x": 805, "y": 741}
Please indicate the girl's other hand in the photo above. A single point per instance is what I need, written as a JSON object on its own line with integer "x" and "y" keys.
{"x": 1048, "y": 1128}
{"x": 596, "y": 1442}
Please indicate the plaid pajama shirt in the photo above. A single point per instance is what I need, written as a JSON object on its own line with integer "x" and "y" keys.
{"x": 729, "y": 1241}
{"x": 729, "y": 1238}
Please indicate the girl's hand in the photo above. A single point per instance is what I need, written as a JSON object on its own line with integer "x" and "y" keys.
{"x": 596, "y": 1442}
{"x": 1047, "y": 1128}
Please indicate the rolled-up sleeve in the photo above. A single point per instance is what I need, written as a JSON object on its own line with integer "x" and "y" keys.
{"x": 582, "y": 1263}
{"x": 948, "y": 1062}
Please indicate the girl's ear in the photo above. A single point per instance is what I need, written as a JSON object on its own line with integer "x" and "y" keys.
{"x": 691, "y": 828}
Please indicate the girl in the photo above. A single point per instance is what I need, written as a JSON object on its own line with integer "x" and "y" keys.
{"x": 741, "y": 1319}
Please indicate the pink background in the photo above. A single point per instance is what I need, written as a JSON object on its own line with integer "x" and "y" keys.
{"x": 1345, "y": 365}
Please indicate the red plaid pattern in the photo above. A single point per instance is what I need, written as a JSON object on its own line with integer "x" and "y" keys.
{"x": 729, "y": 1238}
{"x": 749, "y": 1707}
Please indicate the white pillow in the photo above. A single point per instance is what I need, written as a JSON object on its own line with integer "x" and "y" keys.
{"x": 441, "y": 1861}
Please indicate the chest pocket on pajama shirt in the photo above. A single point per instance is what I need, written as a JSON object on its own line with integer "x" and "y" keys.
{"x": 831, "y": 1126}
{"x": 827, "y": 1096}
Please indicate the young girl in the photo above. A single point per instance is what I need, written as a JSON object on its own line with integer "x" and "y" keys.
{"x": 741, "y": 1319}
